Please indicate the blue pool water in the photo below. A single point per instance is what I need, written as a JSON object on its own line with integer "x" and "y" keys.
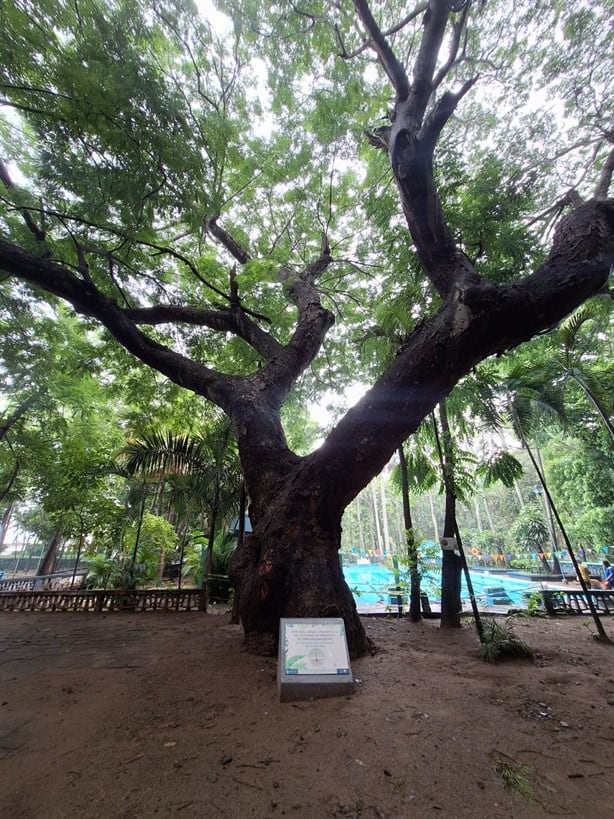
{"x": 370, "y": 583}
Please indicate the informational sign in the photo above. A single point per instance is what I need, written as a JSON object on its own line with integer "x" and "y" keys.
{"x": 316, "y": 647}
{"x": 313, "y": 659}
{"x": 448, "y": 543}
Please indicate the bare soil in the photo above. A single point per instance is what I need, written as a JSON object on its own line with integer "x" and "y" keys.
{"x": 147, "y": 715}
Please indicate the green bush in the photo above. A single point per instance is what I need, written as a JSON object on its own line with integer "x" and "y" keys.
{"x": 500, "y": 643}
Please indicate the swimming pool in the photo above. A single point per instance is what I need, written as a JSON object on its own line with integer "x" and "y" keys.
{"x": 370, "y": 583}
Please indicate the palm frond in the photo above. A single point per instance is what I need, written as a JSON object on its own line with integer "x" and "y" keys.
{"x": 502, "y": 467}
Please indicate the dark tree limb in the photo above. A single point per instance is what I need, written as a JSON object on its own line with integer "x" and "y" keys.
{"x": 229, "y": 321}
{"x": 227, "y": 240}
{"x": 605, "y": 178}
{"x": 87, "y": 300}
{"x": 349, "y": 55}
{"x": 411, "y": 141}
{"x": 441, "y": 113}
{"x": 435, "y": 21}
{"x": 478, "y": 321}
{"x": 391, "y": 65}
{"x": 17, "y": 413}
{"x": 313, "y": 323}
{"x": 458, "y": 28}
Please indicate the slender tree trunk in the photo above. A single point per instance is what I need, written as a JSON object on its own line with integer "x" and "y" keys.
{"x": 385, "y": 526}
{"x": 451, "y": 563}
{"x": 206, "y": 573}
{"x": 181, "y": 556}
{"x": 414, "y": 614}
{"x": 556, "y": 566}
{"x": 6, "y": 522}
{"x": 434, "y": 518}
{"x": 137, "y": 539}
{"x": 378, "y": 528}
{"x": 521, "y": 501}
{"x": 48, "y": 562}
{"x": 17, "y": 413}
{"x": 361, "y": 535}
{"x": 601, "y": 411}
{"x": 6, "y": 489}
{"x": 491, "y": 522}
{"x": 478, "y": 515}
{"x": 78, "y": 557}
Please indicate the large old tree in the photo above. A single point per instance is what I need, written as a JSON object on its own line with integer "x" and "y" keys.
{"x": 200, "y": 196}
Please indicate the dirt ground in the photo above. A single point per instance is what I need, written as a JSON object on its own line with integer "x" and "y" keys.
{"x": 163, "y": 715}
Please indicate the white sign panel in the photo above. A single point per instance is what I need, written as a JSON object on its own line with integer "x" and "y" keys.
{"x": 315, "y": 648}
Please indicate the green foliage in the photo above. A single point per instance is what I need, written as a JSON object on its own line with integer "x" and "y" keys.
{"x": 500, "y": 643}
{"x": 156, "y": 538}
{"x": 218, "y": 587}
{"x": 529, "y": 529}
{"x": 114, "y": 573}
{"x": 134, "y": 123}
{"x": 501, "y": 466}
{"x": 535, "y": 605}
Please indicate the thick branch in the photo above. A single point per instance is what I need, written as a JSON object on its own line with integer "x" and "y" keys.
{"x": 18, "y": 412}
{"x": 435, "y": 21}
{"x": 411, "y": 142}
{"x": 87, "y": 300}
{"x": 605, "y": 179}
{"x": 229, "y": 242}
{"x": 473, "y": 323}
{"x": 442, "y": 111}
{"x": 349, "y": 55}
{"x": 391, "y": 65}
{"x": 230, "y": 321}
{"x": 313, "y": 323}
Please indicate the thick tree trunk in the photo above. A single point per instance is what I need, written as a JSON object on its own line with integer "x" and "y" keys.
{"x": 289, "y": 567}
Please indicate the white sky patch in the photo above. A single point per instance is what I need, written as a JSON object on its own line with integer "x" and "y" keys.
{"x": 220, "y": 23}
{"x": 333, "y": 405}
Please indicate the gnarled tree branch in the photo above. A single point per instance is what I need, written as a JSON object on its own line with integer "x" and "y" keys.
{"x": 227, "y": 320}
{"x": 393, "y": 68}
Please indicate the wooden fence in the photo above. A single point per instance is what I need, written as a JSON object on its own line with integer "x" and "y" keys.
{"x": 103, "y": 600}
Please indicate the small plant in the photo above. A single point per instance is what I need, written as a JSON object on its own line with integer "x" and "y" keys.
{"x": 535, "y": 605}
{"x": 500, "y": 643}
{"x": 515, "y": 778}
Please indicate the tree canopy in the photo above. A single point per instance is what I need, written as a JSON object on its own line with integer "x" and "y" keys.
{"x": 238, "y": 202}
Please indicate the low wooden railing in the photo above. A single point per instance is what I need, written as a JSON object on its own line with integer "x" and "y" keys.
{"x": 574, "y": 601}
{"x": 104, "y": 600}
{"x": 17, "y": 585}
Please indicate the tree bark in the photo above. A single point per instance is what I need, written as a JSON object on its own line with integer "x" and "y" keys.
{"x": 47, "y": 564}
{"x": 451, "y": 563}
{"x": 289, "y": 566}
{"x": 414, "y": 613}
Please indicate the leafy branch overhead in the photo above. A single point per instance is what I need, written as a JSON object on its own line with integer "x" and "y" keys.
{"x": 204, "y": 190}
{"x": 164, "y": 185}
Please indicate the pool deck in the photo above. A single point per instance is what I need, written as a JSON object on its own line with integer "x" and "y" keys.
{"x": 386, "y": 610}
{"x": 382, "y": 608}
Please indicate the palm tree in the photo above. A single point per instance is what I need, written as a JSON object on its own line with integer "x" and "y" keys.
{"x": 529, "y": 399}
{"x": 202, "y": 471}
{"x": 577, "y": 352}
